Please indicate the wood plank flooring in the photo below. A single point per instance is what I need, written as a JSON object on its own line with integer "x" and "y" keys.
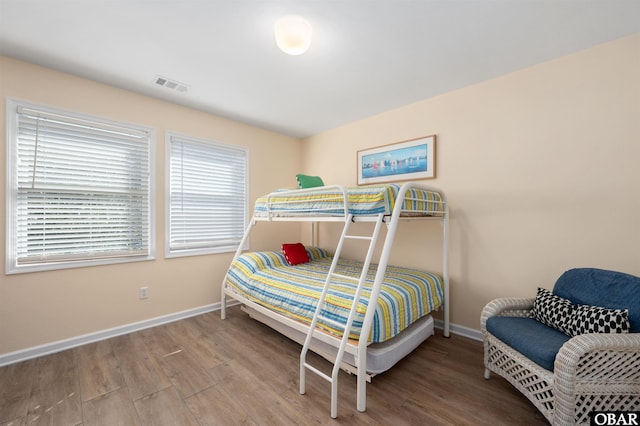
{"x": 205, "y": 371}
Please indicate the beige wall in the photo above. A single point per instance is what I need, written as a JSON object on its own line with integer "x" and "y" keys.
{"x": 541, "y": 168}
{"x": 44, "y": 307}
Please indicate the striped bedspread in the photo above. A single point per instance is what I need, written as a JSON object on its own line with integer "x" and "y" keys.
{"x": 362, "y": 200}
{"x": 267, "y": 279}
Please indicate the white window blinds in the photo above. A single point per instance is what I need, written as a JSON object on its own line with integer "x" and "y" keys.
{"x": 207, "y": 196}
{"x": 82, "y": 189}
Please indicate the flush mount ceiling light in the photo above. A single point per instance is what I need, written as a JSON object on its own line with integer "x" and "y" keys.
{"x": 293, "y": 34}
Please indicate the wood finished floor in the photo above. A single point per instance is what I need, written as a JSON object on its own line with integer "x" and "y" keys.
{"x": 205, "y": 371}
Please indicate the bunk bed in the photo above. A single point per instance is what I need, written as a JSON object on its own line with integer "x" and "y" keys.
{"x": 327, "y": 303}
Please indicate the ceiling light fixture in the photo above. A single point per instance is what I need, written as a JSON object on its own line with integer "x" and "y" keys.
{"x": 293, "y": 34}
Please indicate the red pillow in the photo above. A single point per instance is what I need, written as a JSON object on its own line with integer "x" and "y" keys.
{"x": 295, "y": 253}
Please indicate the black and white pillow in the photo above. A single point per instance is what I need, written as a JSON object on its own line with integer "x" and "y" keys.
{"x": 553, "y": 310}
{"x": 573, "y": 320}
{"x": 594, "y": 319}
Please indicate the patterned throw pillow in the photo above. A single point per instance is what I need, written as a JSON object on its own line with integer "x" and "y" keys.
{"x": 553, "y": 311}
{"x": 594, "y": 319}
{"x": 573, "y": 320}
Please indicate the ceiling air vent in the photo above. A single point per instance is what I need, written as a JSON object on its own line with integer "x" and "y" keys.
{"x": 170, "y": 84}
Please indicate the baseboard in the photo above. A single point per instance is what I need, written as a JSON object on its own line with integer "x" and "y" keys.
{"x": 460, "y": 330}
{"x": 61, "y": 345}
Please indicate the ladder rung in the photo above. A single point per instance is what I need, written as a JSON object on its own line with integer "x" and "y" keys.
{"x": 332, "y": 322}
{"x": 358, "y": 237}
{"x": 344, "y": 277}
{"x": 318, "y": 372}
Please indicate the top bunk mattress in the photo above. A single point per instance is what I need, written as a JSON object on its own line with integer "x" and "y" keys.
{"x": 361, "y": 200}
{"x": 293, "y": 290}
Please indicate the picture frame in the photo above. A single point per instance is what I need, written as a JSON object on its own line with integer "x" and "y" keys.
{"x": 400, "y": 161}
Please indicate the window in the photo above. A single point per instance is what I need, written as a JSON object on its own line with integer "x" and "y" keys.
{"x": 80, "y": 190}
{"x": 207, "y": 199}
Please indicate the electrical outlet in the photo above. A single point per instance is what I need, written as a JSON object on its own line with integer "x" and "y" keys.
{"x": 143, "y": 293}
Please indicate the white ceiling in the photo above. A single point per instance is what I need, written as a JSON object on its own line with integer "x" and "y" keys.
{"x": 367, "y": 56}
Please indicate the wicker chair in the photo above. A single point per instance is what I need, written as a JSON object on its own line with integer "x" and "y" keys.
{"x": 591, "y": 372}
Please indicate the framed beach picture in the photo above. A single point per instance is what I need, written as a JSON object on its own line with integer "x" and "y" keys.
{"x": 408, "y": 160}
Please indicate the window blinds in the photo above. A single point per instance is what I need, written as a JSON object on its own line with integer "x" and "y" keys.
{"x": 208, "y": 195}
{"x": 83, "y": 189}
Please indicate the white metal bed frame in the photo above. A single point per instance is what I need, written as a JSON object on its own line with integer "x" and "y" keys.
{"x": 315, "y": 338}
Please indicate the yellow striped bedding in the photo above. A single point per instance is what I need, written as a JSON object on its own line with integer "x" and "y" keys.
{"x": 267, "y": 279}
{"x": 362, "y": 200}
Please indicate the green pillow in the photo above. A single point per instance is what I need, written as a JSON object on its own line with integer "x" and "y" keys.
{"x": 305, "y": 181}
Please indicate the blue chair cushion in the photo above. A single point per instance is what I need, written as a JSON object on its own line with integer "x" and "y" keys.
{"x": 534, "y": 340}
{"x": 599, "y": 287}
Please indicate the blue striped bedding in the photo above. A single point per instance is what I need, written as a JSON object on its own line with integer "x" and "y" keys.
{"x": 267, "y": 279}
{"x": 363, "y": 200}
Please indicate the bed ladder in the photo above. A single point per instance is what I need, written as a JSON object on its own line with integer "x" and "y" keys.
{"x": 346, "y": 327}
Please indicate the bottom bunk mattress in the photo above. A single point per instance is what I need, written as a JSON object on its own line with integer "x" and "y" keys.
{"x": 268, "y": 279}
